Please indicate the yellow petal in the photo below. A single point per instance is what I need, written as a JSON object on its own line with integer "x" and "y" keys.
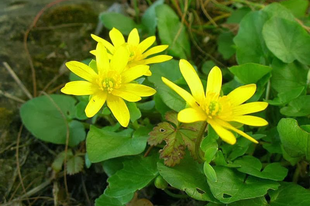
{"x": 182, "y": 92}
{"x": 102, "y": 59}
{"x": 133, "y": 37}
{"x": 146, "y": 43}
{"x": 154, "y": 50}
{"x": 157, "y": 59}
{"x": 148, "y": 73}
{"x": 82, "y": 70}
{"x": 106, "y": 44}
{"x": 249, "y": 108}
{"x": 79, "y": 88}
{"x": 214, "y": 83}
{"x": 127, "y": 95}
{"x": 192, "y": 79}
{"x": 95, "y": 103}
{"x": 119, "y": 109}
{"x": 138, "y": 89}
{"x": 250, "y": 120}
{"x": 116, "y": 37}
{"x": 93, "y": 52}
{"x": 120, "y": 59}
{"x": 241, "y": 94}
{"x": 133, "y": 73}
{"x": 224, "y": 134}
{"x": 228, "y": 126}
{"x": 190, "y": 115}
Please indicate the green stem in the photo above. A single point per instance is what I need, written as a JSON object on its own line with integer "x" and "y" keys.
{"x": 179, "y": 196}
{"x": 198, "y": 142}
{"x": 137, "y": 10}
{"x": 296, "y": 173}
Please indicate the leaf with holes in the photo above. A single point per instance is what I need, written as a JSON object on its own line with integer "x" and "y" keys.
{"x": 188, "y": 176}
{"x": 177, "y": 136}
{"x": 233, "y": 186}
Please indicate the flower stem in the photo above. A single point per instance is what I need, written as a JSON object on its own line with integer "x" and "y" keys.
{"x": 198, "y": 142}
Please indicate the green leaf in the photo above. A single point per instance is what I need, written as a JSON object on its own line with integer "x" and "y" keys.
{"x": 295, "y": 140}
{"x": 237, "y": 15}
{"x": 297, "y": 7}
{"x": 250, "y": 44}
{"x": 233, "y": 186}
{"x": 252, "y": 166}
{"x": 149, "y": 19}
{"x": 188, "y": 177}
{"x": 105, "y": 200}
{"x": 209, "y": 172}
{"x": 177, "y": 136}
{"x": 80, "y": 110}
{"x": 287, "y": 40}
{"x": 259, "y": 201}
{"x": 135, "y": 175}
{"x": 298, "y": 107}
{"x": 285, "y": 97}
{"x": 111, "y": 166}
{"x": 286, "y": 77}
{"x": 172, "y": 32}
{"x": 119, "y": 21}
{"x": 135, "y": 113}
{"x": 59, "y": 160}
{"x": 119, "y": 144}
{"x": 75, "y": 164}
{"x": 290, "y": 194}
{"x": 226, "y": 45}
{"x": 250, "y": 72}
{"x": 46, "y": 118}
{"x": 169, "y": 97}
{"x": 209, "y": 145}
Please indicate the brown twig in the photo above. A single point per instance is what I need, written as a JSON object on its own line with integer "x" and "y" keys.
{"x": 67, "y": 142}
{"x": 148, "y": 151}
{"x": 17, "y": 80}
{"x": 34, "y": 22}
{"x": 17, "y": 160}
{"x": 207, "y": 14}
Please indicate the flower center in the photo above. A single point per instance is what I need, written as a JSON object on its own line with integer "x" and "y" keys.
{"x": 213, "y": 108}
{"x": 111, "y": 81}
{"x": 134, "y": 52}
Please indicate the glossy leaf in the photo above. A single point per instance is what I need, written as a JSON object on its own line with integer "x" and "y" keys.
{"x": 53, "y": 114}
{"x": 168, "y": 96}
{"x": 295, "y": 140}
{"x": 188, "y": 176}
{"x": 297, "y": 107}
{"x": 149, "y": 19}
{"x": 294, "y": 45}
{"x": 123, "y": 23}
{"x": 250, "y": 72}
{"x": 102, "y": 144}
{"x": 234, "y": 186}
{"x": 252, "y": 166}
{"x": 135, "y": 175}
{"x": 172, "y": 32}
{"x": 290, "y": 194}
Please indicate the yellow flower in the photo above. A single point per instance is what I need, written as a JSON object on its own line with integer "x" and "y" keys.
{"x": 139, "y": 51}
{"x": 218, "y": 111}
{"x": 111, "y": 83}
